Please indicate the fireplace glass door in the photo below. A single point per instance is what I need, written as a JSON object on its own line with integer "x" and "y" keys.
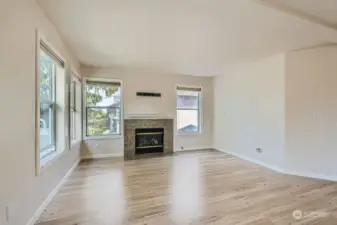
{"x": 149, "y": 140}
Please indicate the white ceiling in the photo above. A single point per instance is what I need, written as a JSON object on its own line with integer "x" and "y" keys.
{"x": 324, "y": 11}
{"x": 195, "y": 37}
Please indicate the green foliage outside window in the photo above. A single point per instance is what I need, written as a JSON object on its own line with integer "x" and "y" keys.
{"x": 98, "y": 117}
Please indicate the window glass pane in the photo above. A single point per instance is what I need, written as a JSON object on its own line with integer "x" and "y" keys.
{"x": 46, "y": 126}
{"x": 187, "y": 99}
{"x": 103, "y": 94}
{"x": 103, "y": 121}
{"x": 72, "y": 125}
{"x": 72, "y": 94}
{"x": 187, "y": 121}
{"x": 47, "y": 69}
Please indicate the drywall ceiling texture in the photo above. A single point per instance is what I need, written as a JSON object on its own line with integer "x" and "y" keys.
{"x": 193, "y": 37}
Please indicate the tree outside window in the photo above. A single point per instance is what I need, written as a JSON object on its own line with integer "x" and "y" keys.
{"x": 103, "y": 108}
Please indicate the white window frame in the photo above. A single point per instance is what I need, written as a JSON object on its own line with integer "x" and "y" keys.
{"x": 41, "y": 163}
{"x": 200, "y": 110}
{"x": 72, "y": 107}
{"x": 52, "y": 120}
{"x": 84, "y": 104}
{"x": 75, "y": 80}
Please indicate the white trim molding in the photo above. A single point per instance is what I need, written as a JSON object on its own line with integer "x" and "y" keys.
{"x": 40, "y": 40}
{"x": 280, "y": 169}
{"x": 318, "y": 176}
{"x": 260, "y": 163}
{"x": 103, "y": 156}
{"x": 148, "y": 116}
{"x": 50, "y": 197}
{"x": 192, "y": 149}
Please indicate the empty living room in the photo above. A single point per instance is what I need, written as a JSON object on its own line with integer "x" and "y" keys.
{"x": 168, "y": 112}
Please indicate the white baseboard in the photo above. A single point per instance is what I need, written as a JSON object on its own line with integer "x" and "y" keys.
{"x": 272, "y": 167}
{"x": 311, "y": 175}
{"x": 50, "y": 197}
{"x": 102, "y": 156}
{"x": 282, "y": 170}
{"x": 191, "y": 149}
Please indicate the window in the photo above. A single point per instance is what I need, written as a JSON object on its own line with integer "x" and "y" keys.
{"x": 49, "y": 66}
{"x": 103, "y": 108}
{"x": 72, "y": 110}
{"x": 188, "y": 109}
{"x": 75, "y": 110}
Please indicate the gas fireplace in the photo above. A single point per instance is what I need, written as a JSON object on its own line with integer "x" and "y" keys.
{"x": 149, "y": 140}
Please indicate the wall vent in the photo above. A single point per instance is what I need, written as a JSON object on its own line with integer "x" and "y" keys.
{"x": 148, "y": 94}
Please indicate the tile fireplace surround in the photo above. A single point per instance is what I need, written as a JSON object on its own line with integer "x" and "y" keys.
{"x": 130, "y": 126}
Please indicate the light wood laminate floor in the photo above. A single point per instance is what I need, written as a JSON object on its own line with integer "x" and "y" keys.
{"x": 197, "y": 187}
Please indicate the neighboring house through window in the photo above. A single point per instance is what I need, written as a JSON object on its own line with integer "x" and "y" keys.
{"x": 188, "y": 109}
{"x": 103, "y": 108}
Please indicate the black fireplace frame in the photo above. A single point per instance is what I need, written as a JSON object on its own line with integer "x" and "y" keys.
{"x": 149, "y": 149}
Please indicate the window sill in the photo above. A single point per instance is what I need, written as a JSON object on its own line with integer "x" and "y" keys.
{"x": 75, "y": 142}
{"x": 189, "y": 134}
{"x": 49, "y": 160}
{"x": 104, "y": 137}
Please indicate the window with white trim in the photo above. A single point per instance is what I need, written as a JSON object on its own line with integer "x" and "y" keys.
{"x": 75, "y": 109}
{"x": 188, "y": 109}
{"x": 72, "y": 110}
{"x": 50, "y": 65}
{"x": 103, "y": 108}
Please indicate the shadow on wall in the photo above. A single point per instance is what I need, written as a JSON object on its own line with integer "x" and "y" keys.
{"x": 85, "y": 150}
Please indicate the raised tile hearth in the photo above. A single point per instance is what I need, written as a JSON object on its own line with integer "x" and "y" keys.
{"x": 130, "y": 126}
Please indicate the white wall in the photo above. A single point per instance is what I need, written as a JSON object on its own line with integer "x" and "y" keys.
{"x": 286, "y": 105}
{"x": 249, "y": 110}
{"x": 311, "y": 112}
{"x": 20, "y": 188}
{"x": 136, "y": 79}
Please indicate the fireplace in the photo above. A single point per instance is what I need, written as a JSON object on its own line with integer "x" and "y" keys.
{"x": 132, "y": 126}
{"x": 149, "y": 140}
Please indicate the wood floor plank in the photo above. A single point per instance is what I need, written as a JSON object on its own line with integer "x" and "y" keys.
{"x": 196, "y": 187}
